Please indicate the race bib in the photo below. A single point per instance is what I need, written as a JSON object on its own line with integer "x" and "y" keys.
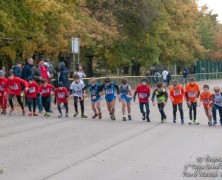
{"x": 192, "y": 94}
{"x": 109, "y": 91}
{"x": 206, "y": 101}
{"x": 78, "y": 92}
{"x": 142, "y": 95}
{"x": 177, "y": 92}
{"x": 2, "y": 88}
{"x": 14, "y": 87}
{"x": 32, "y": 90}
{"x": 61, "y": 95}
{"x": 45, "y": 90}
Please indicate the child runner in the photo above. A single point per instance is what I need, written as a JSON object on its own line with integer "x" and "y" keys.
{"x": 206, "y": 99}
{"x": 177, "y": 96}
{"x": 162, "y": 97}
{"x": 126, "y": 97}
{"x": 3, "y": 92}
{"x": 95, "y": 97}
{"x": 217, "y": 104}
{"x": 31, "y": 95}
{"x": 110, "y": 95}
{"x": 143, "y": 91}
{"x": 61, "y": 95}
{"x": 46, "y": 90}
{"x": 192, "y": 93}
{"x": 77, "y": 91}
{"x": 13, "y": 85}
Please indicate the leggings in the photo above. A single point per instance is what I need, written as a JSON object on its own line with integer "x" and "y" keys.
{"x": 161, "y": 109}
{"x": 59, "y": 107}
{"x": 10, "y": 97}
{"x": 31, "y": 102}
{"x": 180, "y": 106}
{"x": 193, "y": 107}
{"x": 76, "y": 104}
{"x": 46, "y": 103}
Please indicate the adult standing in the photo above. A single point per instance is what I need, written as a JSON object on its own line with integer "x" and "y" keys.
{"x": 50, "y": 67}
{"x": 27, "y": 70}
{"x": 40, "y": 73}
{"x": 185, "y": 73}
{"x": 63, "y": 75}
{"x": 80, "y": 72}
{"x": 164, "y": 75}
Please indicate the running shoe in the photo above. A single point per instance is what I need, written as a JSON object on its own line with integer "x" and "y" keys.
{"x": 83, "y": 116}
{"x": 129, "y": 117}
{"x": 75, "y": 114}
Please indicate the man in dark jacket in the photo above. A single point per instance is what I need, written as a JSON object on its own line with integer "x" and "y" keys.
{"x": 64, "y": 75}
{"x": 17, "y": 70}
{"x": 28, "y": 69}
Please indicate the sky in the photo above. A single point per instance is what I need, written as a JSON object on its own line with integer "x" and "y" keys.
{"x": 215, "y": 5}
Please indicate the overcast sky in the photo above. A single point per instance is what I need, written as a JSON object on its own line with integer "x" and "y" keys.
{"x": 215, "y": 5}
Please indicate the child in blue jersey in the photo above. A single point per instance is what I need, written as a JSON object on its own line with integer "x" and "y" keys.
{"x": 95, "y": 98}
{"x": 126, "y": 97}
{"x": 110, "y": 95}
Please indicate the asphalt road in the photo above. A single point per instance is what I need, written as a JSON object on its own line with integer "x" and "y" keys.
{"x": 86, "y": 149}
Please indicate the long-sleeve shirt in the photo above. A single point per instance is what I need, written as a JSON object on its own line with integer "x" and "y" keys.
{"x": 46, "y": 90}
{"x": 14, "y": 85}
{"x": 33, "y": 90}
{"x": 143, "y": 93}
{"x": 162, "y": 96}
{"x": 177, "y": 94}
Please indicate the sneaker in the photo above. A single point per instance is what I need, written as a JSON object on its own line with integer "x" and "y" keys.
{"x": 196, "y": 122}
{"x": 23, "y": 112}
{"x": 113, "y": 117}
{"x": 209, "y": 123}
{"x": 45, "y": 114}
{"x": 182, "y": 121}
{"x": 67, "y": 115}
{"x": 30, "y": 114}
{"x": 162, "y": 121}
{"x": 11, "y": 111}
{"x": 124, "y": 118}
{"x": 191, "y": 122}
{"x": 3, "y": 112}
{"x": 34, "y": 114}
{"x": 95, "y": 115}
{"x": 143, "y": 117}
{"x": 174, "y": 121}
{"x": 48, "y": 114}
{"x": 129, "y": 117}
{"x": 60, "y": 115}
{"x": 214, "y": 123}
{"x": 147, "y": 119}
{"x": 100, "y": 116}
{"x": 75, "y": 114}
{"x": 83, "y": 116}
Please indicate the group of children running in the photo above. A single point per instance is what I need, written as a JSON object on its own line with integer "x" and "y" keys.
{"x": 11, "y": 87}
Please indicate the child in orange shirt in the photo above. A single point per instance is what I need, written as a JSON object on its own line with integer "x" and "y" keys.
{"x": 207, "y": 100}
{"x": 176, "y": 96}
{"x": 192, "y": 93}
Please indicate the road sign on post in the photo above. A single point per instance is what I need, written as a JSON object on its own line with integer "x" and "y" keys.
{"x": 75, "y": 48}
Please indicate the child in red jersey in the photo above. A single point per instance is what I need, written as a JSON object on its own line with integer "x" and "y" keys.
{"x": 46, "y": 90}
{"x": 143, "y": 91}
{"x": 3, "y": 92}
{"x": 207, "y": 100}
{"x": 13, "y": 85}
{"x": 31, "y": 95}
{"x": 61, "y": 95}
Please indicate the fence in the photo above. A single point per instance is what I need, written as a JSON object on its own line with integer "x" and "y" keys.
{"x": 135, "y": 80}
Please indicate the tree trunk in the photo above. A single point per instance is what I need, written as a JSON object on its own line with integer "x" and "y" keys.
{"x": 89, "y": 67}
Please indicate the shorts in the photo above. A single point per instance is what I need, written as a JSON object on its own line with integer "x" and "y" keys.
{"x": 109, "y": 99}
{"x": 124, "y": 97}
{"x": 98, "y": 98}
